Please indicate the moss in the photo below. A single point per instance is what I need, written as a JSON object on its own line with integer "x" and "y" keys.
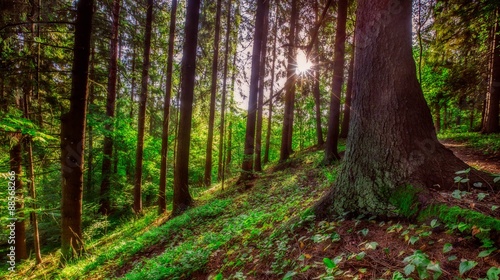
{"x": 405, "y": 200}
{"x": 454, "y": 215}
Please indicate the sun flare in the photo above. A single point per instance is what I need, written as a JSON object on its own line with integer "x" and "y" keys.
{"x": 303, "y": 64}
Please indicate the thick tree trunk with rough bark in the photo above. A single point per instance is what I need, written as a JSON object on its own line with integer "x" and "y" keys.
{"x": 142, "y": 110}
{"x": 220, "y": 169}
{"x": 73, "y": 136}
{"x": 105, "y": 203}
{"x": 287, "y": 131}
{"x": 392, "y": 142}
{"x": 182, "y": 198}
{"x": 332, "y": 135}
{"x": 260, "y": 99}
{"x": 162, "y": 203}
{"x": 491, "y": 122}
{"x": 248, "y": 162}
{"x": 207, "y": 179}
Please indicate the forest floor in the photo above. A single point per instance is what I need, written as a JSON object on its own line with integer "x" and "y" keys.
{"x": 264, "y": 230}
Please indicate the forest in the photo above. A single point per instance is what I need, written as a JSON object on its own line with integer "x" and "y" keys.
{"x": 265, "y": 139}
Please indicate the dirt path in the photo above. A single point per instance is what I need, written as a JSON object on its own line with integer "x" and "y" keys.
{"x": 474, "y": 157}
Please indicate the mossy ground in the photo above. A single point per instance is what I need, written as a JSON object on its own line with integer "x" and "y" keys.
{"x": 267, "y": 232}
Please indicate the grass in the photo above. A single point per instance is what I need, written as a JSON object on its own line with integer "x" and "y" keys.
{"x": 488, "y": 143}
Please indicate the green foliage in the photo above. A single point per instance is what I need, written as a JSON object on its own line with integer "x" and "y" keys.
{"x": 420, "y": 262}
{"x": 487, "y": 143}
{"x": 405, "y": 201}
{"x": 460, "y": 217}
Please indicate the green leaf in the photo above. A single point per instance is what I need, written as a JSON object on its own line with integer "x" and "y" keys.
{"x": 364, "y": 231}
{"x": 496, "y": 179}
{"x": 409, "y": 269}
{"x": 463, "y": 226}
{"x": 335, "y": 237}
{"x": 486, "y": 253}
{"x": 447, "y": 248}
{"x": 371, "y": 245}
{"x": 360, "y": 256}
{"x": 465, "y": 180}
{"x": 218, "y": 276}
{"x": 329, "y": 263}
{"x": 289, "y": 275}
{"x": 434, "y": 223}
{"x": 481, "y": 196}
{"x": 478, "y": 184}
{"x": 398, "y": 276}
{"x": 434, "y": 267}
{"x": 457, "y": 179}
{"x": 413, "y": 239}
{"x": 494, "y": 207}
{"x": 466, "y": 265}
{"x": 466, "y": 171}
{"x": 493, "y": 273}
{"x": 452, "y": 258}
{"x": 457, "y": 193}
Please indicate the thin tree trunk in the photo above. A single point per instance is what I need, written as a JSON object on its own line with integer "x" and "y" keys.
{"x": 142, "y": 110}
{"x": 491, "y": 119}
{"x": 162, "y": 203}
{"x": 20, "y": 227}
{"x": 260, "y": 105}
{"x": 73, "y": 136}
{"x": 229, "y": 153}
{"x": 207, "y": 179}
{"x": 220, "y": 169}
{"x": 348, "y": 98}
{"x": 182, "y": 197}
{"x": 287, "y": 132}
{"x": 332, "y": 136}
{"x": 90, "y": 160}
{"x": 247, "y": 164}
{"x": 270, "y": 113}
{"x": 132, "y": 84}
{"x": 32, "y": 188}
{"x": 105, "y": 202}
{"x": 316, "y": 90}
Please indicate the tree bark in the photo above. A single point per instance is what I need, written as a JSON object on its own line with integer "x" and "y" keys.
{"x": 316, "y": 89}
{"x": 287, "y": 131}
{"x": 162, "y": 203}
{"x": 33, "y": 215}
{"x": 332, "y": 136}
{"x": 182, "y": 198}
{"x": 142, "y": 110}
{"x": 344, "y": 130}
{"x": 260, "y": 105}
{"x": 105, "y": 203}
{"x": 270, "y": 113}
{"x": 392, "y": 142}
{"x": 220, "y": 169}
{"x": 20, "y": 227}
{"x": 491, "y": 118}
{"x": 247, "y": 165}
{"x": 207, "y": 179}
{"x": 73, "y": 135}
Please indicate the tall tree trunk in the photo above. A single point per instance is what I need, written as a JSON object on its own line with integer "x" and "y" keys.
{"x": 229, "y": 148}
{"x": 142, "y": 110}
{"x": 33, "y": 215}
{"x": 162, "y": 203}
{"x": 247, "y": 165}
{"x": 491, "y": 118}
{"x": 260, "y": 102}
{"x": 182, "y": 198}
{"x": 287, "y": 131}
{"x": 316, "y": 90}
{"x": 20, "y": 227}
{"x": 105, "y": 203}
{"x": 348, "y": 98}
{"x": 392, "y": 143}
{"x": 90, "y": 160}
{"x": 207, "y": 179}
{"x": 73, "y": 136}
{"x": 220, "y": 169}
{"x": 271, "y": 90}
{"x": 332, "y": 135}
